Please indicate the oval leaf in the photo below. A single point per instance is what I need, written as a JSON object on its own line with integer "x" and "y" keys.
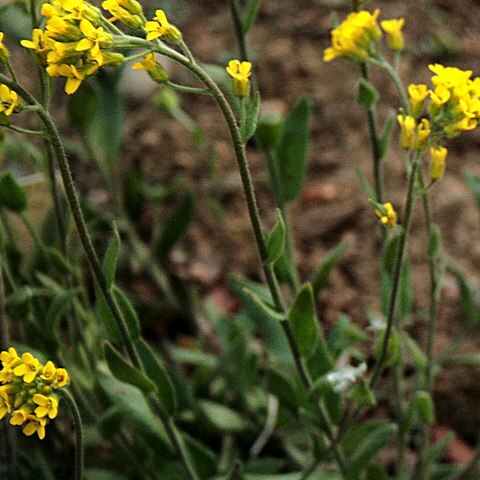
{"x": 303, "y": 319}
{"x": 124, "y": 371}
{"x": 159, "y": 375}
{"x": 291, "y": 152}
{"x": 12, "y": 195}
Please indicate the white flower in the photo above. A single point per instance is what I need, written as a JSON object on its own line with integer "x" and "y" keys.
{"x": 344, "y": 378}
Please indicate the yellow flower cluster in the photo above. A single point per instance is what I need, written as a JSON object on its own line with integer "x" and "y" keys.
{"x": 9, "y": 101}
{"x": 413, "y": 134}
{"x": 128, "y": 12}
{"x": 240, "y": 73}
{"x": 386, "y": 214}
{"x": 353, "y": 38}
{"x": 73, "y": 44}
{"x": 454, "y": 100}
{"x": 27, "y": 391}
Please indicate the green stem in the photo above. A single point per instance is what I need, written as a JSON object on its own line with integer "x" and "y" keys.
{"x": 186, "y": 89}
{"x": 402, "y": 433}
{"x": 374, "y": 141}
{"x": 399, "y": 258}
{"x": 79, "y": 447}
{"x": 422, "y": 467}
{"x": 238, "y": 25}
{"x": 393, "y": 74}
{"x": 26, "y": 131}
{"x": 77, "y": 214}
{"x": 176, "y": 439}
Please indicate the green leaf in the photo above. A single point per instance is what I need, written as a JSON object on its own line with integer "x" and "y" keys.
{"x": 303, "y": 320}
{"x": 321, "y": 275}
{"x": 12, "y": 195}
{"x": 157, "y": 372}
{"x": 61, "y": 302}
{"x": 365, "y": 186}
{"x": 370, "y": 445}
{"x": 176, "y": 226}
{"x": 103, "y": 313}
{"x": 405, "y": 294}
{"x": 355, "y": 435}
{"x": 384, "y": 140}
{"x": 138, "y": 414}
{"x": 267, "y": 309}
{"x": 394, "y": 348}
{"x": 468, "y": 300}
{"x": 291, "y": 152}
{"x": 434, "y": 242}
{"x": 421, "y": 410}
{"x": 111, "y": 257}
{"x": 344, "y": 334}
{"x": 264, "y": 322}
{"x": 250, "y": 124}
{"x": 367, "y": 93}
{"x": 268, "y": 131}
{"x": 125, "y": 372}
{"x": 281, "y": 385}
{"x": 128, "y": 312}
{"x": 222, "y": 417}
{"x": 83, "y": 106}
{"x": 362, "y": 394}
{"x": 418, "y": 355}
{"x": 106, "y": 127}
{"x": 276, "y": 239}
{"x": 251, "y": 14}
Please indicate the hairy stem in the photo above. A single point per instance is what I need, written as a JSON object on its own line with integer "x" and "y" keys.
{"x": 79, "y": 447}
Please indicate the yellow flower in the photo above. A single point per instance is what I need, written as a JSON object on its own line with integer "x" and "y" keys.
{"x": 418, "y": 94}
{"x": 423, "y": 134}
{"x": 5, "y": 406}
{"x": 19, "y": 416}
{"x": 39, "y": 44}
{"x": 353, "y": 37}
{"x": 161, "y": 28}
{"x": 154, "y": 69}
{"x": 407, "y": 135}
{"x": 95, "y": 39}
{"x": 61, "y": 379}
{"x": 4, "y": 53}
{"x": 47, "y": 406}
{"x": 393, "y": 29}
{"x": 49, "y": 371}
{"x": 240, "y": 73}
{"x": 75, "y": 75}
{"x": 8, "y": 357}
{"x": 387, "y": 215}
{"x": 35, "y": 425}
{"x": 29, "y": 367}
{"x": 126, "y": 11}
{"x": 437, "y": 162}
{"x": 9, "y": 101}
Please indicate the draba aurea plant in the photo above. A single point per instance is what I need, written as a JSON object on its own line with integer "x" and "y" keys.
{"x": 262, "y": 393}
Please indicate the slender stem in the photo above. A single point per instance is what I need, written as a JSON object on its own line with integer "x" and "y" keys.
{"x": 374, "y": 141}
{"x": 402, "y": 433}
{"x": 400, "y": 255}
{"x": 422, "y": 467}
{"x": 176, "y": 439}
{"x": 11, "y": 71}
{"x": 79, "y": 447}
{"x": 239, "y": 32}
{"x": 77, "y": 214}
{"x": 26, "y": 131}
{"x": 393, "y": 74}
{"x": 186, "y": 89}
